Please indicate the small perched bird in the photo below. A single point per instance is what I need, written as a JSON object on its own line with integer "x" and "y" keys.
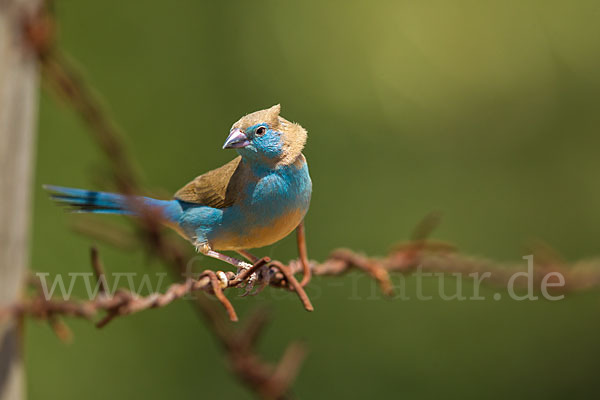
{"x": 254, "y": 200}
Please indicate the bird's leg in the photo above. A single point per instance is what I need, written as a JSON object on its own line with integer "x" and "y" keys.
{"x": 248, "y": 256}
{"x": 205, "y": 249}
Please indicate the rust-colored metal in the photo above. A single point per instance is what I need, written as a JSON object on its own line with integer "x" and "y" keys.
{"x": 218, "y": 291}
{"x": 245, "y": 274}
{"x": 293, "y": 284}
{"x": 98, "y": 270}
{"x": 303, "y": 254}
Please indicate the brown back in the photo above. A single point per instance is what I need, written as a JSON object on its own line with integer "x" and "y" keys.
{"x": 218, "y": 188}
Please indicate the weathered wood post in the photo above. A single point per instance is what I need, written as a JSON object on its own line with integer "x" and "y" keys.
{"x": 18, "y": 114}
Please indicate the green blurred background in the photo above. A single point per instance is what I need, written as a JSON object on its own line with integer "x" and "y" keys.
{"x": 486, "y": 110}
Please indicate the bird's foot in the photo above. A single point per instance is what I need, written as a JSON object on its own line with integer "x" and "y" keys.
{"x": 249, "y": 284}
{"x": 202, "y": 247}
{"x": 243, "y": 266}
{"x": 257, "y": 281}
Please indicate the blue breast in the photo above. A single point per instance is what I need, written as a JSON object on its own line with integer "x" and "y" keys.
{"x": 273, "y": 204}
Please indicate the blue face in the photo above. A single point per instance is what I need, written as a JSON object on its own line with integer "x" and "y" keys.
{"x": 256, "y": 142}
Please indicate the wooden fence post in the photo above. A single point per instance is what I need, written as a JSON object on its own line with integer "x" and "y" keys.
{"x": 18, "y": 115}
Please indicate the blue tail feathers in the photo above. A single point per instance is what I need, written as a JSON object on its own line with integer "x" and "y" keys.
{"x": 80, "y": 200}
{"x": 88, "y": 201}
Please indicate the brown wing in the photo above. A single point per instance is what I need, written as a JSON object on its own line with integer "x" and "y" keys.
{"x": 218, "y": 188}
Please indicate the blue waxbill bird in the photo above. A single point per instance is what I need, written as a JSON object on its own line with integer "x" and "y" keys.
{"x": 254, "y": 200}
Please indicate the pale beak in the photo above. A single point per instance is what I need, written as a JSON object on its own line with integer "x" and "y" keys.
{"x": 237, "y": 139}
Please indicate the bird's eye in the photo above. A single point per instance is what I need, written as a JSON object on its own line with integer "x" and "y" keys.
{"x": 261, "y": 131}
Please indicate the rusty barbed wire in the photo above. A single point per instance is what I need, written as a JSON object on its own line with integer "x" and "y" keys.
{"x": 582, "y": 275}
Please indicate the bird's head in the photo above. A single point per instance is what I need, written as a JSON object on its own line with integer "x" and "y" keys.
{"x": 264, "y": 136}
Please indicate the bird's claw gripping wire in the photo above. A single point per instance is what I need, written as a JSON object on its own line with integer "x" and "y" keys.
{"x": 250, "y": 281}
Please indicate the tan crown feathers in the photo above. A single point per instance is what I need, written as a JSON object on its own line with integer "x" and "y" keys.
{"x": 294, "y": 136}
